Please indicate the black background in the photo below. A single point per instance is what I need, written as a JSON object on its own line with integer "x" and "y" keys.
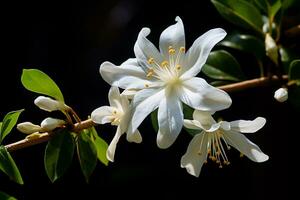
{"x": 68, "y": 41}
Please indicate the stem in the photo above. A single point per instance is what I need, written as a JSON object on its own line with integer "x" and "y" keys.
{"x": 89, "y": 123}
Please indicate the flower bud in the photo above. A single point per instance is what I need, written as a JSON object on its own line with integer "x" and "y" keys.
{"x": 271, "y": 48}
{"x": 48, "y": 104}
{"x": 50, "y": 124}
{"x": 28, "y": 127}
{"x": 281, "y": 94}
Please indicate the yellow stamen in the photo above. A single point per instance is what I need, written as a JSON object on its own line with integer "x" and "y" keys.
{"x": 165, "y": 63}
{"x": 182, "y": 49}
{"x": 115, "y": 112}
{"x": 178, "y": 67}
{"x": 151, "y": 60}
{"x": 146, "y": 85}
{"x": 171, "y": 51}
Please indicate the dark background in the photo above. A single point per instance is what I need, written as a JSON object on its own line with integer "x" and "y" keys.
{"x": 68, "y": 41}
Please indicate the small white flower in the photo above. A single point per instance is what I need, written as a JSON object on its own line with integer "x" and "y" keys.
{"x": 50, "y": 124}
{"x": 48, "y": 104}
{"x": 166, "y": 78}
{"x": 215, "y": 138}
{"x": 281, "y": 94}
{"x": 28, "y": 127}
{"x": 118, "y": 114}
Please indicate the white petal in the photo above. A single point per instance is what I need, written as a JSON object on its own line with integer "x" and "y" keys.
{"x": 135, "y": 137}
{"x": 144, "y": 50}
{"x": 125, "y": 76}
{"x": 144, "y": 102}
{"x": 129, "y": 93}
{"x": 245, "y": 146}
{"x": 198, "y": 94}
{"x": 28, "y": 127}
{"x": 110, "y": 153}
{"x": 103, "y": 115}
{"x": 204, "y": 118}
{"x": 194, "y": 157}
{"x": 248, "y": 126}
{"x": 198, "y": 53}
{"x": 170, "y": 121}
{"x": 114, "y": 97}
{"x": 50, "y": 124}
{"x": 172, "y": 36}
{"x": 130, "y": 61}
{"x": 192, "y": 124}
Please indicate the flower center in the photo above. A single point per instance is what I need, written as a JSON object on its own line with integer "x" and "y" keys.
{"x": 117, "y": 117}
{"x": 215, "y": 148}
{"x": 169, "y": 70}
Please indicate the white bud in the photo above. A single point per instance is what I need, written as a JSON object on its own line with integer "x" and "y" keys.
{"x": 281, "y": 94}
{"x": 50, "y": 124}
{"x": 271, "y": 48}
{"x": 28, "y": 127}
{"x": 48, "y": 104}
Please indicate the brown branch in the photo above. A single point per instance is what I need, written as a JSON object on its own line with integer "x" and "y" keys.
{"x": 43, "y": 137}
{"x": 88, "y": 123}
{"x": 263, "y": 81}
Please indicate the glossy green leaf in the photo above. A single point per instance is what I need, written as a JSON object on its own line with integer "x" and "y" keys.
{"x": 241, "y": 13}
{"x": 87, "y": 154}
{"x": 8, "y": 123}
{"x": 154, "y": 120}
{"x": 9, "y": 167}
{"x": 59, "y": 154}
{"x": 274, "y": 7}
{"x": 221, "y": 65}
{"x": 101, "y": 146}
{"x": 219, "y": 83}
{"x": 37, "y": 81}
{"x": 287, "y": 56}
{"x": 294, "y": 73}
{"x": 4, "y": 196}
{"x": 262, "y": 4}
{"x": 246, "y": 43}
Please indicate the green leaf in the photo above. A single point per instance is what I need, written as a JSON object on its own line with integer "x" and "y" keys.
{"x": 246, "y": 43}
{"x": 154, "y": 120}
{"x": 241, "y": 13}
{"x": 87, "y": 154}
{"x": 4, "y": 196}
{"x": 262, "y": 4}
{"x": 101, "y": 146}
{"x": 287, "y": 56}
{"x": 37, "y": 81}
{"x": 9, "y": 167}
{"x": 273, "y": 7}
{"x": 8, "y": 123}
{"x": 294, "y": 73}
{"x": 59, "y": 154}
{"x": 294, "y": 97}
{"x": 221, "y": 65}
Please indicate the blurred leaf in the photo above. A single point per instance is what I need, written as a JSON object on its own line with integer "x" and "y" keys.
{"x": 87, "y": 154}
{"x": 286, "y": 4}
{"x": 219, "y": 83}
{"x": 247, "y": 43}
{"x": 287, "y": 56}
{"x": 241, "y": 13}
{"x": 294, "y": 97}
{"x": 59, "y": 154}
{"x": 4, "y": 196}
{"x": 9, "y": 167}
{"x": 154, "y": 120}
{"x": 221, "y": 65}
{"x": 37, "y": 81}
{"x": 274, "y": 7}
{"x": 262, "y": 5}
{"x": 8, "y": 123}
{"x": 101, "y": 146}
{"x": 294, "y": 73}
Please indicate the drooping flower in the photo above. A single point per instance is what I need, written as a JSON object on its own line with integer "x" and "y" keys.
{"x": 166, "y": 78}
{"x": 118, "y": 114}
{"x": 215, "y": 138}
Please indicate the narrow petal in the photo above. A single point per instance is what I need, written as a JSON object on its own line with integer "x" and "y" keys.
{"x": 135, "y": 137}
{"x": 245, "y": 146}
{"x": 195, "y": 155}
{"x": 103, "y": 115}
{"x": 170, "y": 121}
{"x": 110, "y": 153}
{"x": 129, "y": 93}
{"x": 204, "y": 118}
{"x": 198, "y": 53}
{"x": 248, "y": 126}
{"x": 198, "y": 94}
{"x": 172, "y": 36}
{"x": 125, "y": 76}
{"x": 131, "y": 61}
{"x": 143, "y": 103}
{"x": 192, "y": 124}
{"x": 144, "y": 50}
{"x": 114, "y": 97}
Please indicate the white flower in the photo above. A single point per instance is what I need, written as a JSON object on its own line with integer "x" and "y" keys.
{"x": 215, "y": 138}
{"x": 281, "y": 94}
{"x": 118, "y": 114}
{"x": 48, "y": 104}
{"x": 50, "y": 124}
{"x": 28, "y": 127}
{"x": 166, "y": 78}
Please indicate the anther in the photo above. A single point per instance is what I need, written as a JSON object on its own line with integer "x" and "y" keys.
{"x": 171, "y": 51}
{"x": 164, "y": 64}
{"x": 220, "y": 166}
{"x": 178, "y": 67}
{"x": 151, "y": 60}
{"x": 115, "y": 112}
{"x": 146, "y": 85}
{"x": 182, "y": 49}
